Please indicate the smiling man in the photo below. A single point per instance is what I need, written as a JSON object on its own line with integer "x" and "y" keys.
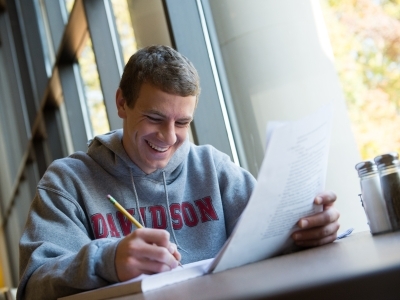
{"x": 188, "y": 197}
{"x": 156, "y": 127}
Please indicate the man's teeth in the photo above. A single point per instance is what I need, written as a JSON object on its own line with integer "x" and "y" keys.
{"x": 157, "y": 148}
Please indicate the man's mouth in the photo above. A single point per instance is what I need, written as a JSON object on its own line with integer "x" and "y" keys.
{"x": 157, "y": 148}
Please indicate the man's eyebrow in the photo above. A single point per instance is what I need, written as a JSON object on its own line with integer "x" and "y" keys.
{"x": 186, "y": 119}
{"x": 156, "y": 112}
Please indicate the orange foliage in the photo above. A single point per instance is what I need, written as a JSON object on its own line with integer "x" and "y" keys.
{"x": 365, "y": 37}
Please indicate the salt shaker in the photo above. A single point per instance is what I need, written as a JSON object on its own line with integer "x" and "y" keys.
{"x": 372, "y": 197}
{"x": 389, "y": 167}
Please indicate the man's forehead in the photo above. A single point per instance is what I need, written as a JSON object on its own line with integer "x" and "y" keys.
{"x": 182, "y": 108}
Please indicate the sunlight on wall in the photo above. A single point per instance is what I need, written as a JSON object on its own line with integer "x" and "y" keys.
{"x": 69, "y": 4}
{"x": 2, "y": 284}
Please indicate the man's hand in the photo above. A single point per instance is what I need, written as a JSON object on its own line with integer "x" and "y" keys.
{"x": 145, "y": 251}
{"x": 321, "y": 228}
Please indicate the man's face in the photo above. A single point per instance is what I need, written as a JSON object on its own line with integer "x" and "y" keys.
{"x": 156, "y": 127}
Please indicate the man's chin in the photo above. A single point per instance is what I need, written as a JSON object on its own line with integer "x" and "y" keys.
{"x": 158, "y": 166}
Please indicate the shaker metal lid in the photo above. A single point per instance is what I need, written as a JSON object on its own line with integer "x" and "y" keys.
{"x": 366, "y": 166}
{"x": 387, "y": 160}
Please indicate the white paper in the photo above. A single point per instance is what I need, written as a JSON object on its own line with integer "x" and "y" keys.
{"x": 292, "y": 173}
{"x": 154, "y": 281}
{"x": 178, "y": 274}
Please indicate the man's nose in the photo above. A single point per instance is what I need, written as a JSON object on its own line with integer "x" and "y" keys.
{"x": 168, "y": 134}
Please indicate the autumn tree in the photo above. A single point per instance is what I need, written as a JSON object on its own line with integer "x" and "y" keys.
{"x": 365, "y": 37}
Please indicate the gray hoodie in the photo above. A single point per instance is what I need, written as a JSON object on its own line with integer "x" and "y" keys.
{"x": 69, "y": 242}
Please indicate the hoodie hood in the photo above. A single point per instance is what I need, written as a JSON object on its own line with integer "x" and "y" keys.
{"x": 107, "y": 150}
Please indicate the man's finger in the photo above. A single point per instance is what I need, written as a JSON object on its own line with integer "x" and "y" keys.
{"x": 325, "y": 198}
{"x": 158, "y": 237}
{"x": 317, "y": 233}
{"x": 323, "y": 218}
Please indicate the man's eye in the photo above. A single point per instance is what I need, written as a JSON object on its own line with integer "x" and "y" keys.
{"x": 153, "y": 119}
{"x": 182, "y": 124}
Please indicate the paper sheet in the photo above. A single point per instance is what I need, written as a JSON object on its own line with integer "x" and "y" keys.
{"x": 188, "y": 271}
{"x": 292, "y": 173}
{"x": 154, "y": 281}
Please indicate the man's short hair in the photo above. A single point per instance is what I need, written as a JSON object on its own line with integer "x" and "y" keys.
{"x": 162, "y": 67}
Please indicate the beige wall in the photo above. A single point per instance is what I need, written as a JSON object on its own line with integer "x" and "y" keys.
{"x": 149, "y": 22}
{"x": 279, "y": 64}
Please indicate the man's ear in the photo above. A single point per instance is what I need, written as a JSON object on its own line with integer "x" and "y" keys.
{"x": 120, "y": 102}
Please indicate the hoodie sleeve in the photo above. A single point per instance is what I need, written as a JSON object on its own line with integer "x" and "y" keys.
{"x": 57, "y": 254}
{"x": 236, "y": 186}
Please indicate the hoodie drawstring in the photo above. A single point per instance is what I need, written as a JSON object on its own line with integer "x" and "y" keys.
{"x": 136, "y": 199}
{"x": 168, "y": 211}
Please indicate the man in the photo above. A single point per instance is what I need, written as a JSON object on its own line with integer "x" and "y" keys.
{"x": 189, "y": 197}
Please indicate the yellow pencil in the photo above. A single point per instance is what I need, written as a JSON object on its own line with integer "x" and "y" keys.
{"x": 123, "y": 210}
{"x": 128, "y": 215}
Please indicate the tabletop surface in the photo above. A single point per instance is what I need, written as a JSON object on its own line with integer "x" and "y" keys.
{"x": 360, "y": 265}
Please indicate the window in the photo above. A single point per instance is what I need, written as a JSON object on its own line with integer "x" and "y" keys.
{"x": 124, "y": 26}
{"x": 94, "y": 96}
{"x": 365, "y": 37}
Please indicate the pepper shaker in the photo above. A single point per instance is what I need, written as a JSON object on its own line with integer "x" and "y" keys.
{"x": 372, "y": 197}
{"x": 389, "y": 167}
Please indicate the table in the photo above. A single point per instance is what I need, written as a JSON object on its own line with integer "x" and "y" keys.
{"x": 360, "y": 266}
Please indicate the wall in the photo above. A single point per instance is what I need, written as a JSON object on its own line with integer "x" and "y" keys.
{"x": 279, "y": 65}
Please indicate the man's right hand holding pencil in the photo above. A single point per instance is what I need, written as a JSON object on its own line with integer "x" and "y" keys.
{"x": 145, "y": 251}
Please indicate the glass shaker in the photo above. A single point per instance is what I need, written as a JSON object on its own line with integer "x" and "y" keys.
{"x": 372, "y": 197}
{"x": 389, "y": 167}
